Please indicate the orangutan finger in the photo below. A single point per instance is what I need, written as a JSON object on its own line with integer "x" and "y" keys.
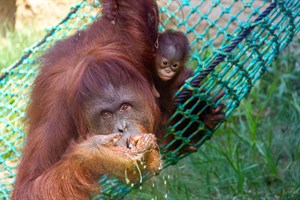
{"x": 188, "y": 148}
{"x": 219, "y": 108}
{"x": 219, "y": 95}
{"x": 216, "y": 110}
{"x": 218, "y": 117}
{"x": 106, "y": 139}
{"x": 192, "y": 148}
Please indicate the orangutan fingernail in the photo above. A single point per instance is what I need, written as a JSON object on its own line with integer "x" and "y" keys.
{"x": 115, "y": 140}
{"x": 128, "y": 144}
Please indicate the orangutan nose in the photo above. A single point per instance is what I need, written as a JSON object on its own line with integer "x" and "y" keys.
{"x": 121, "y": 132}
{"x": 129, "y": 144}
{"x": 122, "y": 127}
{"x": 168, "y": 70}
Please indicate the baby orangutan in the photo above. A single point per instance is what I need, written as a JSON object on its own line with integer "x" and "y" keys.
{"x": 172, "y": 53}
{"x": 171, "y": 73}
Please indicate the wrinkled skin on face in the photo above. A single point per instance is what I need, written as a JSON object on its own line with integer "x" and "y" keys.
{"x": 118, "y": 110}
{"x": 124, "y": 114}
{"x": 169, "y": 63}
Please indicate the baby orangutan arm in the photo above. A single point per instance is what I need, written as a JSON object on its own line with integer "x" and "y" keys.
{"x": 211, "y": 117}
{"x": 215, "y": 115}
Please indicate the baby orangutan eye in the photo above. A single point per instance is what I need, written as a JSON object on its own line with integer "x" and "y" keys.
{"x": 125, "y": 107}
{"x": 106, "y": 114}
{"x": 175, "y": 66}
{"x": 164, "y": 62}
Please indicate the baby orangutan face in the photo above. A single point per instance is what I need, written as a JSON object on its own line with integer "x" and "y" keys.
{"x": 169, "y": 63}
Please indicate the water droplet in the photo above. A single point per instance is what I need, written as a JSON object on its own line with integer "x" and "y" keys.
{"x": 140, "y": 173}
{"x": 126, "y": 178}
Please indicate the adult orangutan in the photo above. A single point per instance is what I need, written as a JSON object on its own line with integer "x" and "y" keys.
{"x": 92, "y": 109}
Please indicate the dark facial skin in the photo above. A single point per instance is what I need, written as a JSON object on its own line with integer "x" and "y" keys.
{"x": 169, "y": 62}
{"x": 121, "y": 120}
{"x": 119, "y": 110}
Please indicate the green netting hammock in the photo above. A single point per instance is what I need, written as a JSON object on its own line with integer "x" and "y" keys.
{"x": 233, "y": 44}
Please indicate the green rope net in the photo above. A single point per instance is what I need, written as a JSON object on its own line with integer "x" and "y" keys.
{"x": 233, "y": 44}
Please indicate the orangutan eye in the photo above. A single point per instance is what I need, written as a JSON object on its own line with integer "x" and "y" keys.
{"x": 175, "y": 66}
{"x": 125, "y": 107}
{"x": 106, "y": 114}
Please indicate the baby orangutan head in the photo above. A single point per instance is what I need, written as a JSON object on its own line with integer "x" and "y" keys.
{"x": 172, "y": 53}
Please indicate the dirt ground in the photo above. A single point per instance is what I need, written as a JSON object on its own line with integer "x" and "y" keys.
{"x": 41, "y": 13}
{"x": 44, "y": 14}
